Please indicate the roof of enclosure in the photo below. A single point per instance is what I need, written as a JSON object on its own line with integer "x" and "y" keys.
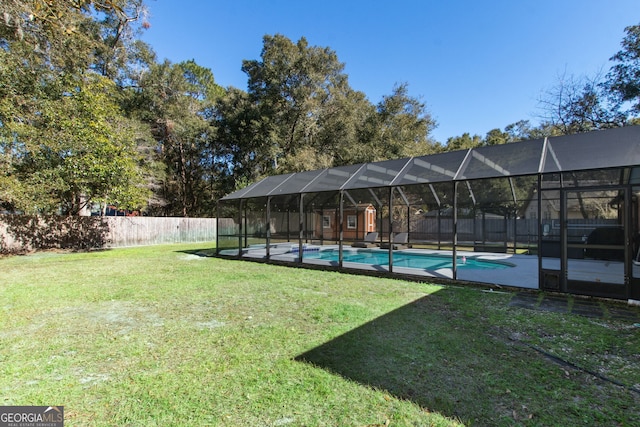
{"x": 593, "y": 150}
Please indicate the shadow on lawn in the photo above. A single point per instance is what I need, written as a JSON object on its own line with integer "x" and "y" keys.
{"x": 204, "y": 252}
{"x": 24, "y": 233}
{"x": 446, "y": 360}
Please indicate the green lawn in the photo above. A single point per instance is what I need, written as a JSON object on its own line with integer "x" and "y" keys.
{"x": 161, "y": 336}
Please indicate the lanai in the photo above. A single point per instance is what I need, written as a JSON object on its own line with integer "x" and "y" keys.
{"x": 538, "y": 200}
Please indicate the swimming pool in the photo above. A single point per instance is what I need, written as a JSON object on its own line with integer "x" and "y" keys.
{"x": 424, "y": 261}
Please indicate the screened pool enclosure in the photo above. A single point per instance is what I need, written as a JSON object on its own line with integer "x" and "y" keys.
{"x": 558, "y": 213}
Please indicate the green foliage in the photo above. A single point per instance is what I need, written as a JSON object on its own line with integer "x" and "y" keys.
{"x": 624, "y": 76}
{"x": 176, "y": 102}
{"x": 301, "y": 114}
{"x": 294, "y": 88}
{"x": 518, "y": 131}
{"x": 403, "y": 126}
{"x": 89, "y": 153}
{"x": 237, "y": 121}
{"x": 63, "y": 138}
{"x": 463, "y": 142}
{"x": 577, "y": 105}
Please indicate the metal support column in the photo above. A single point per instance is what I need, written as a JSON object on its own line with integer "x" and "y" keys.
{"x": 540, "y": 232}
{"x": 240, "y": 230}
{"x": 301, "y": 228}
{"x": 268, "y": 231}
{"x": 340, "y": 228}
{"x": 218, "y": 228}
{"x": 455, "y": 231}
{"x": 391, "y": 229}
{"x": 564, "y": 260}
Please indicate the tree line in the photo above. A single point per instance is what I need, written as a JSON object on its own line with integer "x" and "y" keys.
{"x": 89, "y": 116}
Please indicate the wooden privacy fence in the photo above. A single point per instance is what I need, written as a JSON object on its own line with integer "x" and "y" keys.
{"x": 19, "y": 233}
{"x": 134, "y": 231}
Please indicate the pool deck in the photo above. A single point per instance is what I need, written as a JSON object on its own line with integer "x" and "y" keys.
{"x": 522, "y": 273}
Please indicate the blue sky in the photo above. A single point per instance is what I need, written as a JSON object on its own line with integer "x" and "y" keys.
{"x": 478, "y": 65}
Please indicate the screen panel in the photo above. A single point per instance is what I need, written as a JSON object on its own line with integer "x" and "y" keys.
{"x": 297, "y": 182}
{"x": 332, "y": 179}
{"x": 378, "y": 174}
{"x": 260, "y": 188}
{"x": 593, "y": 150}
{"x": 517, "y": 158}
{"x": 433, "y": 168}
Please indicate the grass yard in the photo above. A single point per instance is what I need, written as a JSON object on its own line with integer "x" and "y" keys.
{"x": 160, "y": 336}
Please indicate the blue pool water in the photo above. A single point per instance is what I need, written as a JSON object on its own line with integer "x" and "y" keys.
{"x": 406, "y": 259}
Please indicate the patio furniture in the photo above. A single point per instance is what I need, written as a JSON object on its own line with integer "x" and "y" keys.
{"x": 368, "y": 242}
{"x": 400, "y": 241}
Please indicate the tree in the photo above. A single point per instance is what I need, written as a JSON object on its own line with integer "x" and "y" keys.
{"x": 78, "y": 150}
{"x": 64, "y": 141}
{"x": 120, "y": 54}
{"x": 304, "y": 115}
{"x": 522, "y": 130}
{"x": 236, "y": 148}
{"x": 518, "y": 131}
{"x": 463, "y": 142}
{"x": 176, "y": 100}
{"x": 497, "y": 137}
{"x": 403, "y": 126}
{"x": 293, "y": 86}
{"x": 347, "y": 135}
{"x": 577, "y": 105}
{"x": 624, "y": 77}
{"x": 75, "y": 34}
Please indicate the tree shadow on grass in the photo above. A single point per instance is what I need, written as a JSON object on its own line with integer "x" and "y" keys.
{"x": 449, "y": 361}
{"x": 204, "y": 252}
{"x": 22, "y": 233}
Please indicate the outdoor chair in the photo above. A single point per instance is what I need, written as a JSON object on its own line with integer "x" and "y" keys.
{"x": 368, "y": 242}
{"x": 400, "y": 241}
